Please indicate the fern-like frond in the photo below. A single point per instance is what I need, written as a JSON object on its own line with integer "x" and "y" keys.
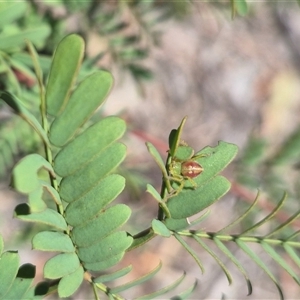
{"x": 270, "y": 245}
{"x": 191, "y": 251}
{"x": 16, "y": 137}
{"x": 269, "y": 216}
{"x": 113, "y": 293}
{"x": 163, "y": 290}
{"x": 113, "y": 276}
{"x": 85, "y": 231}
{"x": 136, "y": 282}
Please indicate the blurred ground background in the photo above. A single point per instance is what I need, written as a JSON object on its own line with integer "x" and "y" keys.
{"x": 231, "y": 78}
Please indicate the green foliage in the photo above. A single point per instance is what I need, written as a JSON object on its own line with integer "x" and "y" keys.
{"x": 26, "y": 20}
{"x": 78, "y": 214}
{"x": 15, "y": 73}
{"x": 239, "y": 6}
{"x": 129, "y": 30}
{"x": 82, "y": 223}
{"x": 271, "y": 242}
{"x": 16, "y": 282}
{"x": 271, "y": 168}
{"x": 76, "y": 250}
{"x": 207, "y": 186}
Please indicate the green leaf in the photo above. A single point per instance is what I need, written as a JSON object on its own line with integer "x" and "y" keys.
{"x": 152, "y": 150}
{"x": 136, "y": 282}
{"x": 112, "y": 245}
{"x": 37, "y": 68}
{"x": 22, "y": 282}
{"x": 175, "y": 137}
{"x": 285, "y": 224}
{"x": 35, "y": 200}
{"x": 61, "y": 265}
{"x": 89, "y": 177}
{"x": 132, "y": 53}
{"x": 105, "y": 264}
{"x": 9, "y": 264}
{"x": 268, "y": 217}
{"x": 260, "y": 263}
{"x": 52, "y": 241}
{"x": 292, "y": 253}
{"x": 20, "y": 109}
{"x": 140, "y": 72}
{"x": 64, "y": 69}
{"x": 215, "y": 160}
{"x": 98, "y": 137}
{"x": 281, "y": 261}
{"x": 190, "y": 251}
{"x": 35, "y": 35}
{"x": 152, "y": 191}
{"x": 113, "y": 276}
{"x": 25, "y": 59}
{"x": 231, "y": 256}
{"x": 89, "y": 94}
{"x": 241, "y": 7}
{"x": 189, "y": 202}
{"x": 113, "y": 26}
{"x": 52, "y": 192}
{"x": 123, "y": 40}
{"x": 185, "y": 294}
{"x": 24, "y": 70}
{"x": 37, "y": 292}
{"x": 142, "y": 239}
{"x": 69, "y": 284}
{"x": 217, "y": 259}
{"x": 160, "y": 228}
{"x": 101, "y": 226}
{"x": 90, "y": 204}
{"x": 184, "y": 152}
{"x": 11, "y": 11}
{"x": 48, "y": 217}
{"x": 176, "y": 224}
{"x": 18, "y": 288}
{"x": 164, "y": 290}
{"x": 25, "y": 177}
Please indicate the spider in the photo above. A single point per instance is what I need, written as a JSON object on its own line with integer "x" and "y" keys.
{"x": 183, "y": 167}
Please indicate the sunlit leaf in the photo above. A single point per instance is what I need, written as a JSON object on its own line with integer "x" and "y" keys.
{"x": 70, "y": 283}
{"x": 61, "y": 265}
{"x": 64, "y": 69}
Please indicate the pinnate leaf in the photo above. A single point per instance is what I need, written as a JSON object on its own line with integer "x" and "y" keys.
{"x": 90, "y": 204}
{"x": 48, "y": 217}
{"x": 64, "y": 69}
{"x": 86, "y": 179}
{"x": 52, "y": 241}
{"x": 189, "y": 201}
{"x": 89, "y": 94}
{"x": 101, "y": 226}
{"x": 9, "y": 264}
{"x": 108, "y": 247}
{"x": 61, "y": 265}
{"x": 69, "y": 284}
{"x": 99, "y": 136}
{"x": 25, "y": 177}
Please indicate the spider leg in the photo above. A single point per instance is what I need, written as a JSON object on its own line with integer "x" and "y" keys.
{"x": 191, "y": 181}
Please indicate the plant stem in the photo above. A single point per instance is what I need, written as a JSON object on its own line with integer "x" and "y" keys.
{"x": 232, "y": 238}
